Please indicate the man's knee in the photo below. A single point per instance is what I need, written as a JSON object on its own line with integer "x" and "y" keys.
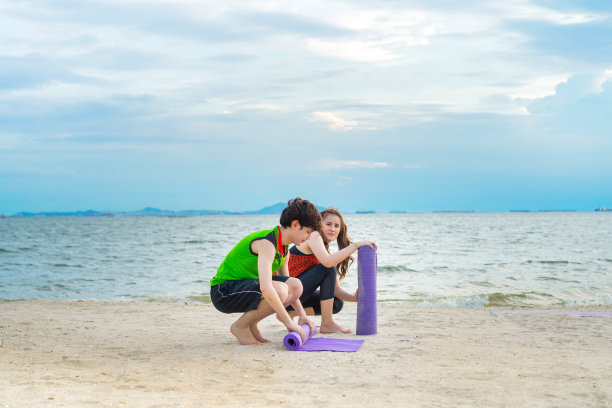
{"x": 282, "y": 290}
{"x": 294, "y": 287}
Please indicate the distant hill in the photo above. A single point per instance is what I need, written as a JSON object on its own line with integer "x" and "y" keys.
{"x": 87, "y": 213}
{"x": 155, "y": 212}
{"x": 276, "y": 209}
{"x": 151, "y": 211}
{"x": 271, "y": 209}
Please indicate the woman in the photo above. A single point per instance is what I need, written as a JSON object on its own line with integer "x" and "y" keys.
{"x": 244, "y": 282}
{"x": 313, "y": 264}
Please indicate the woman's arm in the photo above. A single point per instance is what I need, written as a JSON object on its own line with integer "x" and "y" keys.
{"x": 344, "y": 295}
{"x": 328, "y": 260}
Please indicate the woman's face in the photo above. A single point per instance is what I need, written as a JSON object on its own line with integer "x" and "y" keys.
{"x": 331, "y": 227}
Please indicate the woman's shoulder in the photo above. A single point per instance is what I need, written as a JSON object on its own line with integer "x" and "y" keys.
{"x": 314, "y": 235}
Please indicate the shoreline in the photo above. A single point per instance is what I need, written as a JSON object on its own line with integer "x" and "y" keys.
{"x": 100, "y": 353}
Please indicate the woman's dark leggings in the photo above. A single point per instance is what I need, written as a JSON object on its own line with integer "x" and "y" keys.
{"x": 319, "y": 277}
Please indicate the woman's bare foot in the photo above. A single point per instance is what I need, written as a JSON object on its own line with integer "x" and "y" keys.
{"x": 333, "y": 327}
{"x": 256, "y": 334}
{"x": 243, "y": 335}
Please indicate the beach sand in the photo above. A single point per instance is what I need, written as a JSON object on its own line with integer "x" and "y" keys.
{"x": 82, "y": 354}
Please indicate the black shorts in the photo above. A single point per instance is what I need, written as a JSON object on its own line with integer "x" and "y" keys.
{"x": 238, "y": 296}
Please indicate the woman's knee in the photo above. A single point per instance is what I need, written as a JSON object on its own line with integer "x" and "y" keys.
{"x": 338, "y": 305}
{"x": 331, "y": 272}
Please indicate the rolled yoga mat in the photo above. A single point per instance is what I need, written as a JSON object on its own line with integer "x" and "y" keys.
{"x": 293, "y": 342}
{"x": 366, "y": 299}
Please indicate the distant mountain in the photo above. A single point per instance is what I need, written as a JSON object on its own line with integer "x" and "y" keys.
{"x": 271, "y": 209}
{"x": 88, "y": 213}
{"x": 276, "y": 209}
{"x": 151, "y": 211}
{"x": 155, "y": 212}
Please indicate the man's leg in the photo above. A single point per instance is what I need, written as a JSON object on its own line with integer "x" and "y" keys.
{"x": 245, "y": 328}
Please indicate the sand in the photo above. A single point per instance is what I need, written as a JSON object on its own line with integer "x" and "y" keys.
{"x": 82, "y": 354}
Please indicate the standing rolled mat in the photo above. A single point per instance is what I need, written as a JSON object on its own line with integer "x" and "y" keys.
{"x": 366, "y": 299}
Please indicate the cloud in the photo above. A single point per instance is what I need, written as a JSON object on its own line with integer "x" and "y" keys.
{"x": 335, "y": 123}
{"x": 329, "y": 164}
{"x": 35, "y": 71}
{"x": 527, "y": 10}
{"x": 178, "y": 88}
{"x": 359, "y": 51}
{"x": 568, "y": 92}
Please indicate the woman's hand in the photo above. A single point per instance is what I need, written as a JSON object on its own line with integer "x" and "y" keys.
{"x": 371, "y": 244}
{"x": 356, "y": 295}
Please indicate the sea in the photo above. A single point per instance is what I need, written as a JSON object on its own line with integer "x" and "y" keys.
{"x": 429, "y": 259}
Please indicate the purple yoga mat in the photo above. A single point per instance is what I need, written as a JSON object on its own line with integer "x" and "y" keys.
{"x": 293, "y": 342}
{"x": 366, "y": 300}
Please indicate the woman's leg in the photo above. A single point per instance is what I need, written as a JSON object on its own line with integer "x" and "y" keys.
{"x": 327, "y": 300}
{"x": 325, "y": 279}
{"x": 327, "y": 322}
{"x": 316, "y": 277}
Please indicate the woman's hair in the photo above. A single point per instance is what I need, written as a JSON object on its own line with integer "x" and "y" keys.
{"x": 343, "y": 239}
{"x": 303, "y": 211}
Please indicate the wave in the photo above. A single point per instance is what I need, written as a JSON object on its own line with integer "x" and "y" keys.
{"x": 204, "y": 298}
{"x": 395, "y": 268}
{"x": 555, "y": 279}
{"x": 63, "y": 265}
{"x": 497, "y": 299}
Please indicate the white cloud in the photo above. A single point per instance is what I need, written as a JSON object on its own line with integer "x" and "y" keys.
{"x": 376, "y": 34}
{"x": 566, "y": 92}
{"x": 525, "y": 10}
{"x": 358, "y": 51}
{"x": 539, "y": 87}
{"x": 335, "y": 122}
{"x": 330, "y": 164}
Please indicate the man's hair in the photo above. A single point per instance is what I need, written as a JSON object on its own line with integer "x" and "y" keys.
{"x": 303, "y": 211}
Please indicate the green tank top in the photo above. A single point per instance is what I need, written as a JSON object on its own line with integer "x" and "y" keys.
{"x": 241, "y": 263}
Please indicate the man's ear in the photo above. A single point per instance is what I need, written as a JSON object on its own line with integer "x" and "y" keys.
{"x": 295, "y": 224}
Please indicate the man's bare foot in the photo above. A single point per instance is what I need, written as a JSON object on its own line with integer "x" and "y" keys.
{"x": 244, "y": 336}
{"x": 256, "y": 334}
{"x": 333, "y": 327}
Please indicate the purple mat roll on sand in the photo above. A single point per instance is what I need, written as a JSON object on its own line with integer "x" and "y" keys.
{"x": 366, "y": 300}
{"x": 293, "y": 342}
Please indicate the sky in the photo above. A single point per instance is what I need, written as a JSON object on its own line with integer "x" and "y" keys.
{"x": 362, "y": 105}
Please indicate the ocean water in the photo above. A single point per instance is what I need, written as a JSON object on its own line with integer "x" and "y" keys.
{"x": 489, "y": 259}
